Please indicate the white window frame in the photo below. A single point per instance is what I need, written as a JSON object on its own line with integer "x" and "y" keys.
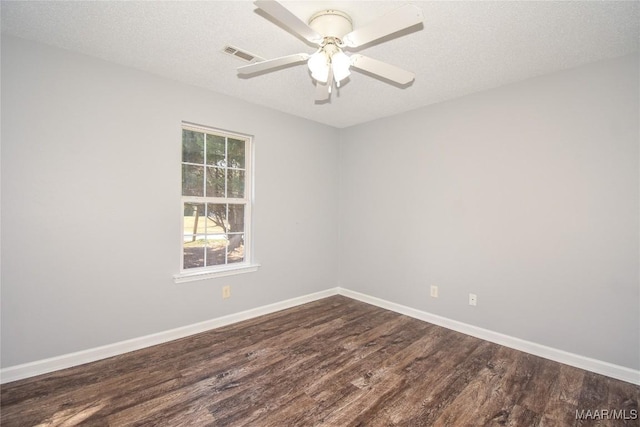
{"x": 247, "y": 265}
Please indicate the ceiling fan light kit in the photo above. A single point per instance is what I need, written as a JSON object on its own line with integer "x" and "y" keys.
{"x": 329, "y": 57}
{"x": 332, "y": 31}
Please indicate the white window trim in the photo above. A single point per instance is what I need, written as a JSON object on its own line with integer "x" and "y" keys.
{"x": 227, "y": 270}
{"x": 247, "y": 266}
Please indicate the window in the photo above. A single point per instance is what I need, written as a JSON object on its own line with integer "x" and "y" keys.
{"x": 216, "y": 203}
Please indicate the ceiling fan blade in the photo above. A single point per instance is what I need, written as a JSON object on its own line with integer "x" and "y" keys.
{"x": 288, "y": 19}
{"x": 401, "y": 18}
{"x": 271, "y": 64}
{"x": 323, "y": 90}
{"x": 382, "y": 69}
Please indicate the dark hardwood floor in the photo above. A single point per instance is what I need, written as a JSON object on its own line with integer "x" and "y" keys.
{"x": 333, "y": 362}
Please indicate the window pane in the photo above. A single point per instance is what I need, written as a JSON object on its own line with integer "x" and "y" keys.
{"x": 236, "y": 218}
{"x": 192, "y": 180}
{"x": 216, "y": 233}
{"x": 235, "y": 248}
{"x": 215, "y": 150}
{"x": 193, "y": 253}
{"x": 193, "y": 235}
{"x": 215, "y": 182}
{"x": 235, "y": 183}
{"x": 217, "y": 219}
{"x": 194, "y": 221}
{"x": 192, "y": 146}
{"x": 216, "y": 247}
{"x": 236, "y": 153}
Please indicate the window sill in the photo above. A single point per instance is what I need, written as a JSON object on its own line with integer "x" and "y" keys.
{"x": 208, "y": 274}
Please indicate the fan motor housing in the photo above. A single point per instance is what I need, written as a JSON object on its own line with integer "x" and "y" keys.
{"x": 331, "y": 23}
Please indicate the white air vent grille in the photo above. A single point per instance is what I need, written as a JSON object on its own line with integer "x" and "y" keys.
{"x": 241, "y": 54}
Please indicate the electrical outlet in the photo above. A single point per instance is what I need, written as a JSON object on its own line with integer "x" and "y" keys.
{"x": 226, "y": 292}
{"x": 434, "y": 292}
{"x": 473, "y": 299}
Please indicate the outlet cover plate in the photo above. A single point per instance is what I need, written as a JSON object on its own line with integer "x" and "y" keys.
{"x": 473, "y": 299}
{"x": 226, "y": 292}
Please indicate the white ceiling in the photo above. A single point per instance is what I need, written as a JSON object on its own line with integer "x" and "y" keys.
{"x": 463, "y": 47}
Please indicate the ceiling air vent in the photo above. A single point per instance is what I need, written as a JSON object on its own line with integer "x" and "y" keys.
{"x": 242, "y": 54}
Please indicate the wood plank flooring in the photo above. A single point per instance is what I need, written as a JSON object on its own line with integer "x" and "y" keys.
{"x": 333, "y": 362}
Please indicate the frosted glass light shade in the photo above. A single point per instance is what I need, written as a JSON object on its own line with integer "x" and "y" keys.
{"x": 319, "y": 65}
{"x": 340, "y": 63}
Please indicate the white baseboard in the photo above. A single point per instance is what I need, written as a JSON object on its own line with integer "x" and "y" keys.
{"x": 582, "y": 362}
{"x": 27, "y": 370}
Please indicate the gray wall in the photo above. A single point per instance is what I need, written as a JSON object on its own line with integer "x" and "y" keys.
{"x": 526, "y": 195}
{"x": 91, "y": 204}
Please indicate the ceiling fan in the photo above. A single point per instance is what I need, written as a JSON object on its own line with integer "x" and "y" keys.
{"x": 332, "y": 32}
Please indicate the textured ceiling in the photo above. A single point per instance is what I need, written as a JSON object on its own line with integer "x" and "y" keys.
{"x": 463, "y": 47}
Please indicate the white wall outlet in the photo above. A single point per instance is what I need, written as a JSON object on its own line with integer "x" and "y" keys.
{"x": 473, "y": 299}
{"x": 434, "y": 292}
{"x": 226, "y": 292}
